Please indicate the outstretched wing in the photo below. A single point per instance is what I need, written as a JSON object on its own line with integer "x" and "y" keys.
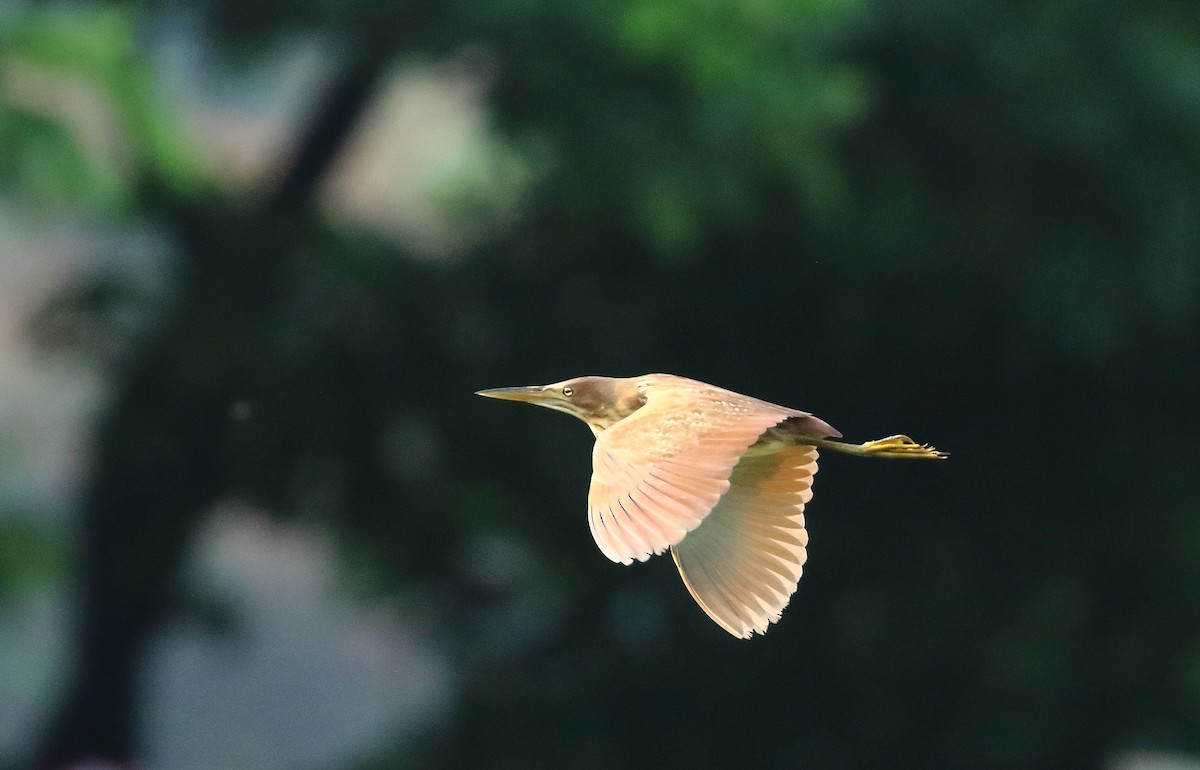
{"x": 743, "y": 562}
{"x": 657, "y": 473}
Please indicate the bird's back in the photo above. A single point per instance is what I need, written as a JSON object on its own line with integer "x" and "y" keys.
{"x": 681, "y": 401}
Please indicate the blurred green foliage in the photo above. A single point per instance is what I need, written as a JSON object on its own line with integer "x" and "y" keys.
{"x": 977, "y": 224}
{"x": 80, "y": 119}
{"x": 29, "y": 557}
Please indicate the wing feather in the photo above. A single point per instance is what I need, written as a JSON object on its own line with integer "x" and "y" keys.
{"x": 716, "y": 603}
{"x": 742, "y": 564}
{"x": 725, "y": 602}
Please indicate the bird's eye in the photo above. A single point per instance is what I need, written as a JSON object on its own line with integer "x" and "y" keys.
{"x": 568, "y": 391}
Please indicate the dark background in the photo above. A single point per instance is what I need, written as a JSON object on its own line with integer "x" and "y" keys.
{"x": 975, "y": 223}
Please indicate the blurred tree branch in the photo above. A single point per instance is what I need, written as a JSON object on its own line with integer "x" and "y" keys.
{"x": 162, "y": 447}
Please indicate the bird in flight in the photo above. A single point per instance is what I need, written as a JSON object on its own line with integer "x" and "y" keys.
{"x": 719, "y": 478}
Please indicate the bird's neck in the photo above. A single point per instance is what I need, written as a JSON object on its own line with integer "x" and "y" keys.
{"x": 628, "y": 402}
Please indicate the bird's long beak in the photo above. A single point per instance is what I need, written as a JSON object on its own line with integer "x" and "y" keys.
{"x": 534, "y": 394}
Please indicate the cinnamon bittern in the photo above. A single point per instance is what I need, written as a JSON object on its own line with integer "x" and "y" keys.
{"x": 719, "y": 478}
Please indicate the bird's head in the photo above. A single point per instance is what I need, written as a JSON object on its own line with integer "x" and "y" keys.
{"x": 599, "y": 401}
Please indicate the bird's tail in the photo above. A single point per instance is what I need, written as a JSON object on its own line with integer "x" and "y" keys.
{"x": 892, "y": 446}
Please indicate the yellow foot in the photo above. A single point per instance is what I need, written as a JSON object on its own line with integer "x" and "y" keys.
{"x": 901, "y": 446}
